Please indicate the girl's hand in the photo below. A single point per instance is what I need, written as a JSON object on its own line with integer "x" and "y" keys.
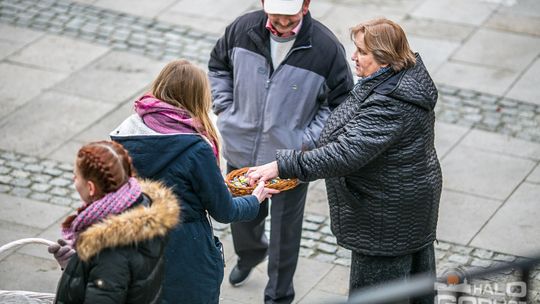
{"x": 263, "y": 193}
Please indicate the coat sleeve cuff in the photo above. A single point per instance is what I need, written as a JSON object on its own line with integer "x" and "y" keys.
{"x": 286, "y": 162}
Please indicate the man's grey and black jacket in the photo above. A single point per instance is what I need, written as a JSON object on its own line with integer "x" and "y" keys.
{"x": 261, "y": 109}
{"x": 382, "y": 174}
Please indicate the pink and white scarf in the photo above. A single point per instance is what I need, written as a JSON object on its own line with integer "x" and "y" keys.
{"x": 112, "y": 203}
{"x": 168, "y": 119}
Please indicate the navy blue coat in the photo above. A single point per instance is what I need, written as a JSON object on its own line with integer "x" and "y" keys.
{"x": 186, "y": 163}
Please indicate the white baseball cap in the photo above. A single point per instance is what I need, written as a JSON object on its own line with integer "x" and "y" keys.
{"x": 283, "y": 7}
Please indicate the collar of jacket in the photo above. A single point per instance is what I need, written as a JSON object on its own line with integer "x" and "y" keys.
{"x": 260, "y": 35}
{"x": 363, "y": 89}
{"x": 136, "y": 224}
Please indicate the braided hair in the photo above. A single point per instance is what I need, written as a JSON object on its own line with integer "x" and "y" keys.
{"x": 107, "y": 164}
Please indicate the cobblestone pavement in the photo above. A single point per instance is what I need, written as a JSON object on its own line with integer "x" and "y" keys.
{"x": 51, "y": 181}
{"x": 164, "y": 41}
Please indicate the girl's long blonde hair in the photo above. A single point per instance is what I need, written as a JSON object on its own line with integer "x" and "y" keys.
{"x": 184, "y": 85}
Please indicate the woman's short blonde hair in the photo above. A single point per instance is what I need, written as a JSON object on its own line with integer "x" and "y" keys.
{"x": 387, "y": 42}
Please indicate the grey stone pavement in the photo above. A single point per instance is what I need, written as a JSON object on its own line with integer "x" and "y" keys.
{"x": 70, "y": 70}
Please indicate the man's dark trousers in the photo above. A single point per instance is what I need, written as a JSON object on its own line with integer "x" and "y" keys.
{"x": 252, "y": 246}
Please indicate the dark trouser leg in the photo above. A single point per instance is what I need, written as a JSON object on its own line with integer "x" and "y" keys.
{"x": 249, "y": 240}
{"x": 424, "y": 263}
{"x": 250, "y": 243}
{"x": 369, "y": 270}
{"x": 287, "y": 211}
{"x": 372, "y": 270}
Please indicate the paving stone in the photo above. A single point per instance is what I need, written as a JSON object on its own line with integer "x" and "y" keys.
{"x": 462, "y": 249}
{"x": 327, "y": 248}
{"x": 52, "y": 171}
{"x": 306, "y": 252}
{"x": 436, "y": 29}
{"x": 534, "y": 176}
{"x": 337, "y": 280}
{"x": 311, "y": 235}
{"x": 43, "y": 197}
{"x": 5, "y": 179}
{"x": 314, "y": 218}
{"x": 40, "y": 187}
{"x": 29, "y": 273}
{"x": 492, "y": 80}
{"x": 459, "y": 259}
{"x": 526, "y": 88}
{"x": 488, "y": 99}
{"x": 41, "y": 215}
{"x": 458, "y": 11}
{"x": 461, "y": 216}
{"x": 325, "y": 258}
{"x": 51, "y": 134}
{"x": 68, "y": 175}
{"x": 343, "y": 262}
{"x": 34, "y": 168}
{"x": 343, "y": 253}
{"x": 439, "y": 255}
{"x": 517, "y": 217}
{"x": 483, "y": 173}
{"x": 310, "y": 226}
{"x": 500, "y": 143}
{"x": 58, "y": 191}
{"x": 484, "y": 48}
{"x": 4, "y": 188}
{"x": 29, "y": 159}
{"x": 20, "y": 192}
{"x": 481, "y": 263}
{"x": 19, "y": 174}
{"x": 61, "y": 182}
{"x": 116, "y": 76}
{"x": 59, "y": 200}
{"x": 326, "y": 230}
{"x": 4, "y": 170}
{"x": 9, "y": 155}
{"x": 308, "y": 243}
{"x": 21, "y": 182}
{"x": 330, "y": 239}
{"x": 15, "y": 164}
{"x": 483, "y": 254}
{"x": 40, "y": 178}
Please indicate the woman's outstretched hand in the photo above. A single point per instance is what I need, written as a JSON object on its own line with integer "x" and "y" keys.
{"x": 262, "y": 173}
{"x": 263, "y": 193}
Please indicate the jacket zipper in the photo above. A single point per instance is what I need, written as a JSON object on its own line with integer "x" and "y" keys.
{"x": 267, "y": 87}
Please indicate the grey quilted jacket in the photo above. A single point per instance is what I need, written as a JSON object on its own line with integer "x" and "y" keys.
{"x": 377, "y": 154}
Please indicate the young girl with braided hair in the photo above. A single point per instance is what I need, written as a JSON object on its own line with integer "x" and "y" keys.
{"x": 171, "y": 138}
{"x": 113, "y": 247}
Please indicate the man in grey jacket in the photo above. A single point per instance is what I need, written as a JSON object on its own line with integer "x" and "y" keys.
{"x": 276, "y": 75}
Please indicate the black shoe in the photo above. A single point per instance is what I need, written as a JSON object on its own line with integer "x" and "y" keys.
{"x": 238, "y": 276}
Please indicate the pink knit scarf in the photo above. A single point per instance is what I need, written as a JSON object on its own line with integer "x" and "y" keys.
{"x": 112, "y": 203}
{"x": 167, "y": 119}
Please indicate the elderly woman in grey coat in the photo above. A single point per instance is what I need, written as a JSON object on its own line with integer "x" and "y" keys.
{"x": 377, "y": 155}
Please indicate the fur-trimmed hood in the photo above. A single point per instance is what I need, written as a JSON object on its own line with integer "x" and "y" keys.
{"x": 134, "y": 225}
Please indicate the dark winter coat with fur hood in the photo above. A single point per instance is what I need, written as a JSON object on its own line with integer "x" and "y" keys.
{"x": 120, "y": 260}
